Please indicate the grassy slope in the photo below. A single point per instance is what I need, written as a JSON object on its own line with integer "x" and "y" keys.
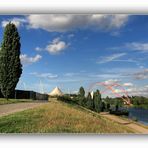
{"x": 58, "y": 117}
{"x": 10, "y": 101}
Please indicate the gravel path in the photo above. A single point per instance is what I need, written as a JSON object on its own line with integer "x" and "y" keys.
{"x": 17, "y": 107}
{"x": 137, "y": 128}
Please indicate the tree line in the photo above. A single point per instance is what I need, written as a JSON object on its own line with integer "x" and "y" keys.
{"x": 92, "y": 101}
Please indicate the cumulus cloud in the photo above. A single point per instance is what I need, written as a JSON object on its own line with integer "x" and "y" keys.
{"x": 16, "y": 21}
{"x": 110, "y": 58}
{"x": 25, "y": 59}
{"x": 68, "y": 22}
{"x": 56, "y": 46}
{"x": 44, "y": 75}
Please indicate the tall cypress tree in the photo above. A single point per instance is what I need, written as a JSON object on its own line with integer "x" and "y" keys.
{"x": 89, "y": 102}
{"x": 97, "y": 101}
{"x": 81, "y": 95}
{"x": 10, "y": 65}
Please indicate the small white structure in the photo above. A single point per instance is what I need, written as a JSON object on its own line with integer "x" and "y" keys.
{"x": 92, "y": 94}
{"x": 56, "y": 92}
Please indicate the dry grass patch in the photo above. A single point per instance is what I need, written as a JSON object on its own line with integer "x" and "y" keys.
{"x": 58, "y": 117}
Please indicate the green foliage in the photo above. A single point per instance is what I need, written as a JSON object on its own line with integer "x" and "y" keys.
{"x": 103, "y": 106}
{"x": 97, "y": 101}
{"x": 81, "y": 95}
{"x": 81, "y": 92}
{"x": 139, "y": 102}
{"x": 10, "y": 65}
{"x": 89, "y": 102}
{"x": 67, "y": 99}
{"x": 108, "y": 106}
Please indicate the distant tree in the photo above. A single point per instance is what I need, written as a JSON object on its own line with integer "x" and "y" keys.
{"x": 81, "y": 91}
{"x": 81, "y": 96}
{"x": 10, "y": 65}
{"x": 103, "y": 106}
{"x": 117, "y": 107}
{"x": 107, "y": 99}
{"x": 89, "y": 102}
{"x": 97, "y": 101}
{"x": 108, "y": 106}
{"x": 84, "y": 101}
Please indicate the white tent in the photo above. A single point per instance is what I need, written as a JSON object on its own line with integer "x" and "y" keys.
{"x": 56, "y": 92}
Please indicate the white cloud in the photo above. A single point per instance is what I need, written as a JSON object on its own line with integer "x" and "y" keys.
{"x": 128, "y": 84}
{"x": 25, "y": 59}
{"x": 111, "y": 81}
{"x": 44, "y": 75}
{"x": 68, "y": 22}
{"x": 16, "y": 21}
{"x": 137, "y": 46}
{"x": 38, "y": 49}
{"x": 110, "y": 58}
{"x": 71, "y": 74}
{"x": 71, "y": 35}
{"x": 138, "y": 91}
{"x": 56, "y": 46}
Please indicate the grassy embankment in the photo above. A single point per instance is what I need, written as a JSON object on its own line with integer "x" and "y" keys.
{"x": 59, "y": 117}
{"x": 10, "y": 101}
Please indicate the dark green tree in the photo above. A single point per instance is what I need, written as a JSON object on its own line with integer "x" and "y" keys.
{"x": 89, "y": 102}
{"x": 97, "y": 101}
{"x": 81, "y": 91}
{"x": 10, "y": 65}
{"x": 108, "y": 106}
{"x": 103, "y": 106}
{"x": 81, "y": 96}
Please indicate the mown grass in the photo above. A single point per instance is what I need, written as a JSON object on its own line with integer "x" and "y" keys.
{"x": 10, "y": 101}
{"x": 59, "y": 117}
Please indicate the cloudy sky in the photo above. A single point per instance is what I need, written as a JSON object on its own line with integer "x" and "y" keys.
{"x": 70, "y": 51}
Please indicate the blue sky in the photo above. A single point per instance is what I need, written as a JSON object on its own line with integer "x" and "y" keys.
{"x": 70, "y": 51}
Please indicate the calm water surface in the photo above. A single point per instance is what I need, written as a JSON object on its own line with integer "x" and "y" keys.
{"x": 140, "y": 114}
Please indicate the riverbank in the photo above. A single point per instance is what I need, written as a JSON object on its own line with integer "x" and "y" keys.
{"x": 137, "y": 127}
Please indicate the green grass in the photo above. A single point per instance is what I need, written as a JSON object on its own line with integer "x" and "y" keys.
{"x": 59, "y": 117}
{"x": 10, "y": 101}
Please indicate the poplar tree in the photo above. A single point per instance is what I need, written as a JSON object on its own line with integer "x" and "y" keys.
{"x": 89, "y": 102}
{"x": 81, "y": 95}
{"x": 97, "y": 101}
{"x": 10, "y": 64}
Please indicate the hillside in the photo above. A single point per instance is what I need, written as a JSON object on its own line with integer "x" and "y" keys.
{"x": 59, "y": 117}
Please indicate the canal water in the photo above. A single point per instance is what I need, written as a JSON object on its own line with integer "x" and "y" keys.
{"x": 140, "y": 114}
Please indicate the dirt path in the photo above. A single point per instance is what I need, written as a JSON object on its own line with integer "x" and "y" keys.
{"x": 12, "y": 108}
{"x": 129, "y": 123}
